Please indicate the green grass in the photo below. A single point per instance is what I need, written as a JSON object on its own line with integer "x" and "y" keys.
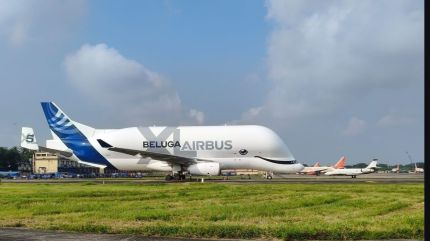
{"x": 275, "y": 211}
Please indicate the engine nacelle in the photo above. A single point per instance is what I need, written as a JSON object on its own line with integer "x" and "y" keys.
{"x": 204, "y": 168}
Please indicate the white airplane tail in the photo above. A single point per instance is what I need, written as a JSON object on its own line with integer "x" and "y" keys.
{"x": 28, "y": 139}
{"x": 372, "y": 165}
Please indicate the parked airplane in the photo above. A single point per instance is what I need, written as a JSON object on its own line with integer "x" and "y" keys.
{"x": 339, "y": 165}
{"x": 317, "y": 169}
{"x": 313, "y": 170}
{"x": 396, "y": 169}
{"x": 194, "y": 150}
{"x": 418, "y": 169}
{"x": 353, "y": 172}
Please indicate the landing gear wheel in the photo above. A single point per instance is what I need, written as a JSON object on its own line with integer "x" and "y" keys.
{"x": 269, "y": 177}
{"x": 177, "y": 177}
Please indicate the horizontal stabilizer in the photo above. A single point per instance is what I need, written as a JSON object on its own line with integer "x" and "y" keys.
{"x": 103, "y": 143}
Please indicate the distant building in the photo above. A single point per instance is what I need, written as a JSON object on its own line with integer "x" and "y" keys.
{"x": 45, "y": 162}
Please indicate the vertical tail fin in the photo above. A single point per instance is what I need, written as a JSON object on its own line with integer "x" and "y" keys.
{"x": 62, "y": 125}
{"x": 59, "y": 122}
{"x": 317, "y": 164}
{"x": 372, "y": 164}
{"x": 28, "y": 139}
{"x": 341, "y": 163}
{"x": 73, "y": 134}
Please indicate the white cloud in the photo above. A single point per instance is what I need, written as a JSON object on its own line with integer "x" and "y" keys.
{"x": 138, "y": 93}
{"x": 23, "y": 21}
{"x": 171, "y": 8}
{"x": 325, "y": 55}
{"x": 396, "y": 120}
{"x": 198, "y": 116}
{"x": 355, "y": 127}
{"x": 251, "y": 114}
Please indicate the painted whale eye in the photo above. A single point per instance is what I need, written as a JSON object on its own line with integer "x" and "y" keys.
{"x": 243, "y": 152}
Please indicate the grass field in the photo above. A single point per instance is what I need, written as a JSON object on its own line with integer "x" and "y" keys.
{"x": 280, "y": 211}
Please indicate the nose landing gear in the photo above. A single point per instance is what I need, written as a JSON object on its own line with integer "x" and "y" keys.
{"x": 269, "y": 175}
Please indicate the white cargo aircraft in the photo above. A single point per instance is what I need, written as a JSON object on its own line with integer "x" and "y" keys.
{"x": 353, "y": 172}
{"x": 193, "y": 150}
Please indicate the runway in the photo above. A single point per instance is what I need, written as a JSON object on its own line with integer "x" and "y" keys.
{"x": 291, "y": 178}
{"x": 7, "y": 234}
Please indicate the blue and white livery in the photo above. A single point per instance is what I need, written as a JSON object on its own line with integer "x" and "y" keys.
{"x": 194, "y": 150}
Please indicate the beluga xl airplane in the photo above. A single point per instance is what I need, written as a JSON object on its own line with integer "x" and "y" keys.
{"x": 182, "y": 150}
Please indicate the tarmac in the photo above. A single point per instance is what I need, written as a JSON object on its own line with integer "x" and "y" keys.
{"x": 290, "y": 178}
{"x": 7, "y": 234}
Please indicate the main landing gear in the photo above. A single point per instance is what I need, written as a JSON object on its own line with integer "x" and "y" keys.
{"x": 268, "y": 175}
{"x": 353, "y": 176}
{"x": 176, "y": 177}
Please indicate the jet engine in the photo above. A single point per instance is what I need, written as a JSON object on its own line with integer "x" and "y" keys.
{"x": 204, "y": 168}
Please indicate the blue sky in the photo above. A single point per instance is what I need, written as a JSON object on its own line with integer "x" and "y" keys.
{"x": 198, "y": 45}
{"x": 331, "y": 78}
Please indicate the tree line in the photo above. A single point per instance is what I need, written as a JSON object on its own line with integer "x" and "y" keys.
{"x": 386, "y": 167}
{"x": 11, "y": 158}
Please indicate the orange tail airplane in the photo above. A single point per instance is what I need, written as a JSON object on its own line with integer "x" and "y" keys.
{"x": 316, "y": 169}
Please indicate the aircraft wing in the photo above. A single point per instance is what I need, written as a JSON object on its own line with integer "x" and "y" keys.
{"x": 173, "y": 159}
